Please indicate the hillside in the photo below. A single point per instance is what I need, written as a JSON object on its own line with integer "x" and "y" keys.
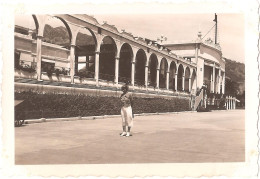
{"x": 60, "y": 36}
{"x": 235, "y": 71}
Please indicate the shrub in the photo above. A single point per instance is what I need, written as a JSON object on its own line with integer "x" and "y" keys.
{"x": 49, "y": 71}
{"x": 203, "y": 109}
{"x": 25, "y": 67}
{"x": 51, "y": 105}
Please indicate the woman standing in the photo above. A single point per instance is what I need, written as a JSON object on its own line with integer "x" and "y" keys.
{"x": 126, "y": 111}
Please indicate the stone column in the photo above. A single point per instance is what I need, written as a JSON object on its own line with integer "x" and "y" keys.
{"x": 133, "y": 74}
{"x": 229, "y": 102}
{"x": 116, "y": 69}
{"x": 146, "y": 76}
{"x": 157, "y": 77}
{"x": 167, "y": 80}
{"x": 72, "y": 62}
{"x": 97, "y": 67}
{"x": 183, "y": 82}
{"x": 39, "y": 58}
{"x": 226, "y": 103}
{"x": 219, "y": 76}
{"x": 232, "y": 103}
{"x": 235, "y": 101}
{"x": 223, "y": 84}
{"x": 211, "y": 81}
{"x": 189, "y": 84}
{"x": 176, "y": 81}
{"x": 216, "y": 86}
{"x": 213, "y": 87}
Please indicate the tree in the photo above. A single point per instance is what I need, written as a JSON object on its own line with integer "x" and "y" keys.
{"x": 231, "y": 87}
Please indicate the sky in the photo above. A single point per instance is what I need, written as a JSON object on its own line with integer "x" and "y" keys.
{"x": 185, "y": 27}
{"x": 177, "y": 27}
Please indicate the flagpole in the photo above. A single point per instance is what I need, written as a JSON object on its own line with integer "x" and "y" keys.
{"x": 216, "y": 27}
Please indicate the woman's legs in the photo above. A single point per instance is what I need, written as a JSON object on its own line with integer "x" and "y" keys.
{"x": 124, "y": 131}
{"x": 127, "y": 121}
{"x": 129, "y": 129}
{"x": 123, "y": 122}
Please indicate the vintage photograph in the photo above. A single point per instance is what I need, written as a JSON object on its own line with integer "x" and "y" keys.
{"x": 129, "y": 88}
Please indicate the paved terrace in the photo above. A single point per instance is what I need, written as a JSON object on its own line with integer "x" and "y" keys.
{"x": 217, "y": 136}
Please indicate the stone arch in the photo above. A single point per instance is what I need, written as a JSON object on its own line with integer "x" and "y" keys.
{"x": 186, "y": 80}
{"x": 125, "y": 63}
{"x": 179, "y": 77}
{"x": 163, "y": 73}
{"x": 173, "y": 71}
{"x": 56, "y": 31}
{"x": 36, "y": 23}
{"x": 140, "y": 62}
{"x": 27, "y": 25}
{"x": 67, "y": 26}
{"x": 107, "y": 57}
{"x": 152, "y": 72}
{"x": 85, "y": 48}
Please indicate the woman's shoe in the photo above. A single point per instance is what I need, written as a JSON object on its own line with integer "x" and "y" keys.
{"x": 123, "y": 134}
{"x": 127, "y": 134}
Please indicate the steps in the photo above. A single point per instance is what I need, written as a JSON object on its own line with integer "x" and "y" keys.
{"x": 198, "y": 99}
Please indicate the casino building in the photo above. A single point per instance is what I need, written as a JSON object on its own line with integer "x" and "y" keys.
{"x": 98, "y": 56}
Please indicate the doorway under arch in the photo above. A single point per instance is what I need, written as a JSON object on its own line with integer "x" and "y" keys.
{"x": 140, "y": 62}
{"x": 153, "y": 63}
{"x": 108, "y": 51}
{"x": 125, "y": 63}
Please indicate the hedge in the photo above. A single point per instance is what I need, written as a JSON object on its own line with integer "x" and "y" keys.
{"x": 53, "y": 105}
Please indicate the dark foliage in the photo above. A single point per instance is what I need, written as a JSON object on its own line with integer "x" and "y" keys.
{"x": 235, "y": 74}
{"x": 231, "y": 87}
{"x": 51, "y": 105}
{"x": 203, "y": 109}
{"x": 24, "y": 67}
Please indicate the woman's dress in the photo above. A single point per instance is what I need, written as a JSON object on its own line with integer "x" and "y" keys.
{"x": 126, "y": 110}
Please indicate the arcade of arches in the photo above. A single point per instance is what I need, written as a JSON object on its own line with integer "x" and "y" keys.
{"x": 98, "y": 56}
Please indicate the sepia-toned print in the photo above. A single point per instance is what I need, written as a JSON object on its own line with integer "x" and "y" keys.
{"x": 125, "y": 89}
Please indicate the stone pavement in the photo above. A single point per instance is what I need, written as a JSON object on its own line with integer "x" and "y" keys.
{"x": 217, "y": 136}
